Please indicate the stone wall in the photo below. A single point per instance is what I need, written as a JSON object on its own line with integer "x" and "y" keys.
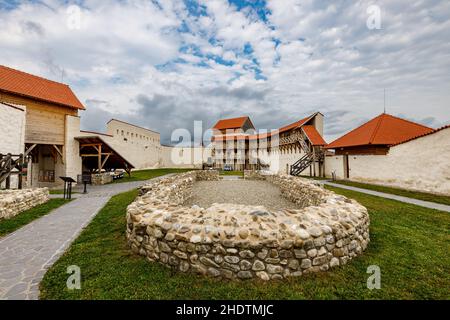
{"x": 100, "y": 179}
{"x": 253, "y": 175}
{"x": 243, "y": 242}
{"x": 207, "y": 175}
{"x": 300, "y": 191}
{"x": 13, "y": 202}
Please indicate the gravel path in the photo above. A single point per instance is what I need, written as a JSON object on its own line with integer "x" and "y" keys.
{"x": 248, "y": 192}
{"x": 426, "y": 204}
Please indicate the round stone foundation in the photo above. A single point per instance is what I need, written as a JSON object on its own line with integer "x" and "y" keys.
{"x": 238, "y": 241}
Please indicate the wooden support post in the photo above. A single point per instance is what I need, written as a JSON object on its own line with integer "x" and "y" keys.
{"x": 99, "y": 158}
{"x": 323, "y": 166}
{"x": 21, "y": 161}
{"x": 8, "y": 182}
{"x": 314, "y": 161}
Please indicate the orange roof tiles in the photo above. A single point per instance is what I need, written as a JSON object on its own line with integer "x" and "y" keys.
{"x": 31, "y": 86}
{"x": 232, "y": 123}
{"x": 422, "y": 135}
{"x": 295, "y": 124}
{"x": 313, "y": 136}
{"x": 230, "y": 137}
{"x": 239, "y": 122}
{"x": 382, "y": 130}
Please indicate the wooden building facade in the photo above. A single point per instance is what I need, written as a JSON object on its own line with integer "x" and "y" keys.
{"x": 49, "y": 106}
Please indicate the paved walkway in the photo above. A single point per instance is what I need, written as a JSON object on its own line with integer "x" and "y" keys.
{"x": 426, "y": 204}
{"x": 26, "y": 254}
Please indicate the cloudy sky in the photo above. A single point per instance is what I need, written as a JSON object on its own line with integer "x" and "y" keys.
{"x": 163, "y": 64}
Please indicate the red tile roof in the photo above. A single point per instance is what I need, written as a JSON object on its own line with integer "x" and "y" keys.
{"x": 294, "y": 125}
{"x": 232, "y": 123}
{"x": 422, "y": 135}
{"x": 31, "y": 86}
{"x": 230, "y": 137}
{"x": 239, "y": 122}
{"x": 382, "y": 130}
{"x": 313, "y": 136}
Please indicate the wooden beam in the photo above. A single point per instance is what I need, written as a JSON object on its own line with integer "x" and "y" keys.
{"x": 104, "y": 161}
{"x": 96, "y": 154}
{"x": 95, "y": 145}
{"x": 60, "y": 153}
{"x": 30, "y": 149}
{"x": 57, "y": 149}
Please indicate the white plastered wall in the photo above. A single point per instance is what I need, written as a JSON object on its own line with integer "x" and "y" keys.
{"x": 184, "y": 157}
{"x": 73, "y": 163}
{"x": 12, "y": 133}
{"x": 281, "y": 162}
{"x": 12, "y": 129}
{"x": 141, "y": 147}
{"x": 422, "y": 164}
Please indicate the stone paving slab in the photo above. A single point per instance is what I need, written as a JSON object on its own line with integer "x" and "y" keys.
{"x": 426, "y": 204}
{"x": 27, "y": 253}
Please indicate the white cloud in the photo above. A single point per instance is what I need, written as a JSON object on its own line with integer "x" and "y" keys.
{"x": 154, "y": 63}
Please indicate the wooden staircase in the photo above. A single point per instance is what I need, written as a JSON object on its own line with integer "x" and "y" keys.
{"x": 307, "y": 160}
{"x": 302, "y": 164}
{"x": 9, "y": 165}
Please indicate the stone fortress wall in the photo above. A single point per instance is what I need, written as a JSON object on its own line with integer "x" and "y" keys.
{"x": 13, "y": 202}
{"x": 243, "y": 242}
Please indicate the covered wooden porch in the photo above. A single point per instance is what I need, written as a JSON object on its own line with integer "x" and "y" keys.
{"x": 97, "y": 155}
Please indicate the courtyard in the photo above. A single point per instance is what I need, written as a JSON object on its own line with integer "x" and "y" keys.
{"x": 409, "y": 243}
{"x": 255, "y": 193}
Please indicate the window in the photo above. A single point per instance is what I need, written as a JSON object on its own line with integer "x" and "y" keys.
{"x": 122, "y": 132}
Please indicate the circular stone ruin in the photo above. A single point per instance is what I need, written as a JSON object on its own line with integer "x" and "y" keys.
{"x": 320, "y": 231}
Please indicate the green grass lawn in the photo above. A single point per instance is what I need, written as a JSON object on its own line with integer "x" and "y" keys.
{"x": 400, "y": 192}
{"x": 409, "y": 243}
{"x": 60, "y": 191}
{"x": 232, "y": 173}
{"x": 10, "y": 225}
{"x": 315, "y": 178}
{"x": 140, "y": 175}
